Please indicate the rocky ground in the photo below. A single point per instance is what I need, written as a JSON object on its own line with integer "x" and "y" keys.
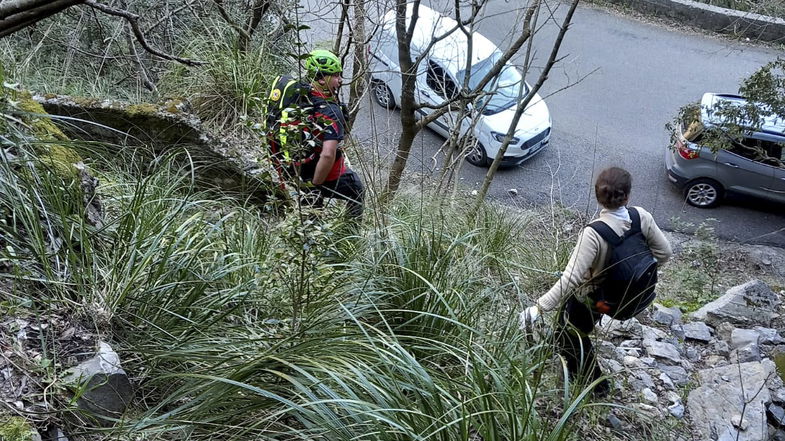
{"x": 711, "y": 374}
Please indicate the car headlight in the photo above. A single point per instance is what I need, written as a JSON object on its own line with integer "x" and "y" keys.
{"x": 500, "y": 137}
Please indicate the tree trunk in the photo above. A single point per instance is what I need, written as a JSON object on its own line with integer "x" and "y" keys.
{"x": 360, "y": 65}
{"x": 258, "y": 11}
{"x": 409, "y": 127}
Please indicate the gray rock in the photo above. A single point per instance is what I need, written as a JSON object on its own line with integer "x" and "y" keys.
{"x": 105, "y": 389}
{"x": 743, "y": 337}
{"x": 613, "y": 366}
{"x": 55, "y": 434}
{"x": 776, "y": 434}
{"x": 751, "y": 352}
{"x": 647, "y": 410}
{"x": 630, "y": 352}
{"x": 633, "y": 363}
{"x": 666, "y": 316}
{"x": 666, "y": 381}
{"x": 677, "y": 410}
{"x": 768, "y": 336}
{"x": 662, "y": 351}
{"x": 776, "y": 415}
{"x": 730, "y": 434}
{"x": 752, "y": 303}
{"x": 778, "y": 395}
{"x": 614, "y": 422}
{"x": 697, "y": 331}
{"x": 648, "y": 361}
{"x": 630, "y": 344}
{"x": 649, "y": 395}
{"x": 618, "y": 328}
{"x": 739, "y": 422}
{"x": 720, "y": 348}
{"x": 649, "y": 333}
{"x": 677, "y": 329}
{"x": 716, "y": 361}
{"x": 677, "y": 374}
{"x": 718, "y": 401}
{"x": 641, "y": 380}
{"x": 692, "y": 354}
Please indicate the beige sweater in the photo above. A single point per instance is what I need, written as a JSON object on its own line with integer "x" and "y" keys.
{"x": 591, "y": 253}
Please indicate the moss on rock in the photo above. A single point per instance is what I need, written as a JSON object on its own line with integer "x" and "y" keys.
{"x": 142, "y": 109}
{"x": 42, "y": 126}
{"x": 54, "y": 154}
{"x": 16, "y": 429}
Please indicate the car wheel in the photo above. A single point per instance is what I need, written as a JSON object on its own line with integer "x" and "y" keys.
{"x": 703, "y": 193}
{"x": 383, "y": 95}
{"x": 477, "y": 155}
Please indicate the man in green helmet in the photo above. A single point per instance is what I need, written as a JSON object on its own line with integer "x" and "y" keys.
{"x": 327, "y": 169}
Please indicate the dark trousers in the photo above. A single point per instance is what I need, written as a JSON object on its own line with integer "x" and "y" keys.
{"x": 575, "y": 322}
{"x": 348, "y": 187}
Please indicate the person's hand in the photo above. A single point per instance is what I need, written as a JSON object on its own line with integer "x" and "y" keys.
{"x": 529, "y": 317}
{"x": 602, "y": 307}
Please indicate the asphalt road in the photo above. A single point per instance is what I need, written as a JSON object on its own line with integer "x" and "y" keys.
{"x": 620, "y": 82}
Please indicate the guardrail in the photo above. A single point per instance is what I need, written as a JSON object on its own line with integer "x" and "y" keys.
{"x": 713, "y": 18}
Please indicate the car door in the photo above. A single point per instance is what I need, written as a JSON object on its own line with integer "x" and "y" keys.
{"x": 740, "y": 170}
{"x": 434, "y": 87}
{"x": 776, "y": 150}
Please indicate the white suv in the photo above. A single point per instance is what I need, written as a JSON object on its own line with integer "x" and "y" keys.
{"x": 442, "y": 73}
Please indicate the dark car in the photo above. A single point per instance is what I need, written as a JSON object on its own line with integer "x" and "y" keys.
{"x": 751, "y": 167}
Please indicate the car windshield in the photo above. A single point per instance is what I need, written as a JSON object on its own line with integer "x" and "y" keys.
{"x": 503, "y": 91}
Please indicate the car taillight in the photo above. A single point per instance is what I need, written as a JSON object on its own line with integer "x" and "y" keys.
{"x": 685, "y": 151}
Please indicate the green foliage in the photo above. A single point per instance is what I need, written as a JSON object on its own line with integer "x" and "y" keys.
{"x": 244, "y": 327}
{"x": 694, "y": 279}
{"x": 230, "y": 86}
{"x": 15, "y": 429}
{"x": 779, "y": 362}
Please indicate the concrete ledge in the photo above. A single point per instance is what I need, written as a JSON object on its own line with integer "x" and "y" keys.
{"x": 713, "y": 18}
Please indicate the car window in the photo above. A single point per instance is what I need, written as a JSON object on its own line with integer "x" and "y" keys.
{"x": 503, "y": 92}
{"x": 436, "y": 78}
{"x": 694, "y": 131}
{"x": 775, "y": 151}
{"x": 758, "y": 150}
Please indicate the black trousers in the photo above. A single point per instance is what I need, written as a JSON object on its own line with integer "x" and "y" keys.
{"x": 348, "y": 187}
{"x": 575, "y": 322}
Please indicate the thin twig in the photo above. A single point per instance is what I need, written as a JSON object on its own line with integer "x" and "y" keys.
{"x": 133, "y": 20}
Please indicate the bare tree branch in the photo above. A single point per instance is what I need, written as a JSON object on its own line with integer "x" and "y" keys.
{"x": 552, "y": 59}
{"x": 169, "y": 15}
{"x": 133, "y": 20}
{"x": 260, "y": 8}
{"x": 225, "y": 15}
{"x": 19, "y": 14}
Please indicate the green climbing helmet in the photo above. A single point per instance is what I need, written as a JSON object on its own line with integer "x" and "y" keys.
{"x": 323, "y": 62}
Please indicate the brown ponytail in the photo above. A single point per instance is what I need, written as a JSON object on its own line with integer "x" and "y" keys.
{"x": 612, "y": 187}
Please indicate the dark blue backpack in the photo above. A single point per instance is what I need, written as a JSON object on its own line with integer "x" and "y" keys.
{"x": 630, "y": 271}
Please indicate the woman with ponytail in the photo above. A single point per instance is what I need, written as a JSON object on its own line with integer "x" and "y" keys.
{"x": 575, "y": 295}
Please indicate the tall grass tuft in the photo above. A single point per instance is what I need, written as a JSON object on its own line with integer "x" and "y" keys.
{"x": 237, "y": 326}
{"x": 232, "y": 83}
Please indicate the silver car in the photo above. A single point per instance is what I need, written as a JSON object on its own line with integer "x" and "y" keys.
{"x": 707, "y": 177}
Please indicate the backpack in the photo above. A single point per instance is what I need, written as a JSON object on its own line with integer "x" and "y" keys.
{"x": 288, "y": 106}
{"x": 286, "y": 94}
{"x": 630, "y": 271}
